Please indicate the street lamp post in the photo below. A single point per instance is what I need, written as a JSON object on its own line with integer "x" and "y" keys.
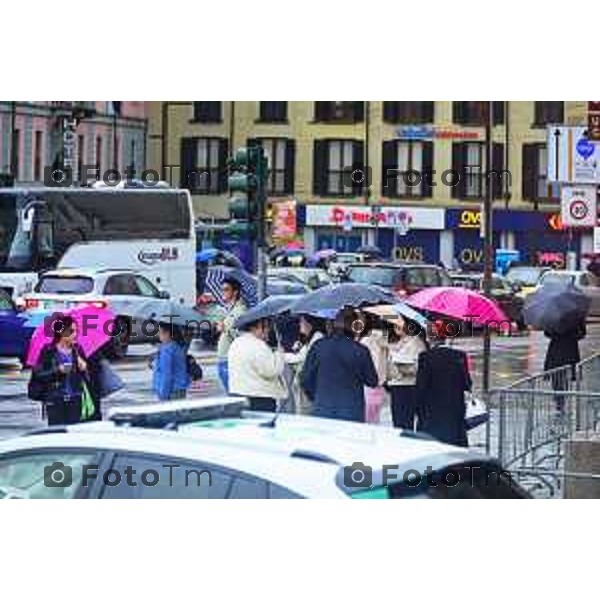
{"x": 488, "y": 243}
{"x": 14, "y": 143}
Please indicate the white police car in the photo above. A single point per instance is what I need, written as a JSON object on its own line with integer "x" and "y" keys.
{"x": 215, "y": 449}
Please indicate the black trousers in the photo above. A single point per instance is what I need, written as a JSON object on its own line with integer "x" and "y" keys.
{"x": 64, "y": 413}
{"x": 404, "y": 405}
{"x": 263, "y": 404}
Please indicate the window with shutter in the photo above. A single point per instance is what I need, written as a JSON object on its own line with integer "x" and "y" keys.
{"x": 475, "y": 112}
{"x": 273, "y": 112}
{"x": 535, "y": 178}
{"x": 208, "y": 112}
{"x": 334, "y": 162}
{"x": 339, "y": 111}
{"x": 548, "y": 113}
{"x": 418, "y": 112}
{"x": 204, "y": 165}
{"x": 408, "y": 173}
{"x": 280, "y": 153}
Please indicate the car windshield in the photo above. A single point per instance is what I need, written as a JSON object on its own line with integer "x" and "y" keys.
{"x": 384, "y": 276}
{"x": 524, "y": 275}
{"x": 348, "y": 258}
{"x": 52, "y": 284}
{"x": 558, "y": 277}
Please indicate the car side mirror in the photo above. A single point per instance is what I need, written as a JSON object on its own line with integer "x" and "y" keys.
{"x": 517, "y": 287}
{"x": 164, "y": 295}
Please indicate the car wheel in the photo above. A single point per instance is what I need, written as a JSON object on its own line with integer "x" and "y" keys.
{"x": 120, "y": 342}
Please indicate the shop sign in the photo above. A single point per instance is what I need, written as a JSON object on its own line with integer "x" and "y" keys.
{"x": 284, "y": 220}
{"x": 415, "y": 132}
{"x": 364, "y": 216}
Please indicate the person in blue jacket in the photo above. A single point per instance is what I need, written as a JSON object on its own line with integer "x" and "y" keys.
{"x": 171, "y": 378}
{"x": 336, "y": 371}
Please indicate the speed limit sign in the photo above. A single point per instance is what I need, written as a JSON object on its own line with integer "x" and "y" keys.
{"x": 578, "y": 205}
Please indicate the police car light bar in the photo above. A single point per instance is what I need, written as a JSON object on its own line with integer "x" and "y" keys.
{"x": 172, "y": 413}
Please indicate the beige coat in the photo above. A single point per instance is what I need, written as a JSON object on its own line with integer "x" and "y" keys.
{"x": 229, "y": 332}
{"x": 403, "y": 359}
{"x": 377, "y": 345}
{"x": 255, "y": 370}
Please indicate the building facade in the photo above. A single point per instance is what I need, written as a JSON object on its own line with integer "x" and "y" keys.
{"x": 404, "y": 196}
{"x": 105, "y": 135}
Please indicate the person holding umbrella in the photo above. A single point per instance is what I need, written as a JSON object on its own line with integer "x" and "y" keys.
{"x": 312, "y": 329}
{"x": 57, "y": 378}
{"x": 235, "y": 308}
{"x": 336, "y": 371}
{"x": 405, "y": 347}
{"x": 442, "y": 380}
{"x": 255, "y": 370}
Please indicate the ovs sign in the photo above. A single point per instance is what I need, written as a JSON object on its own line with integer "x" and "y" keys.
{"x": 470, "y": 219}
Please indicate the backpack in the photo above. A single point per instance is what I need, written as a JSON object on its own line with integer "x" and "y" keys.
{"x": 193, "y": 368}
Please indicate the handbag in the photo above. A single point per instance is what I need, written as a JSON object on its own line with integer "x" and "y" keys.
{"x": 36, "y": 390}
{"x": 193, "y": 368}
{"x": 476, "y": 412}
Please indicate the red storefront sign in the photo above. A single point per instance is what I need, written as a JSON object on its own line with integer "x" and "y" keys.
{"x": 594, "y": 121}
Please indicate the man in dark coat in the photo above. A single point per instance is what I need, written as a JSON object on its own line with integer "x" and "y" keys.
{"x": 334, "y": 376}
{"x": 564, "y": 349}
{"x": 442, "y": 380}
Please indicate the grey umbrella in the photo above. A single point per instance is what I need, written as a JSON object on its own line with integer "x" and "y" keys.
{"x": 267, "y": 308}
{"x": 333, "y": 298}
{"x": 556, "y": 308}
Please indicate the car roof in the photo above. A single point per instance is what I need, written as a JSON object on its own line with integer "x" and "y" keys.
{"x": 292, "y": 453}
{"x": 84, "y": 272}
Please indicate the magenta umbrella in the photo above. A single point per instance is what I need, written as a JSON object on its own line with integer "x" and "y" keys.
{"x": 94, "y": 328}
{"x": 459, "y": 303}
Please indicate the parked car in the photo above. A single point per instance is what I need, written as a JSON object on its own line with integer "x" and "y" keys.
{"x": 277, "y": 286}
{"x": 213, "y": 449}
{"x": 16, "y": 329}
{"x": 311, "y": 277}
{"x": 526, "y": 278}
{"x": 587, "y": 282}
{"x": 503, "y": 291}
{"x": 339, "y": 267}
{"x": 134, "y": 299}
{"x": 402, "y": 279}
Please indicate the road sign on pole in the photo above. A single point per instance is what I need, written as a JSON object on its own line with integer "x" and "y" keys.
{"x": 578, "y": 206}
{"x": 572, "y": 156}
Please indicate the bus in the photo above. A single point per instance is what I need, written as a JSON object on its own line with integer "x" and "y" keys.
{"x": 149, "y": 230}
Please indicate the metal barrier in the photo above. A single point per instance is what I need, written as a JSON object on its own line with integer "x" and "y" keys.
{"x": 531, "y": 420}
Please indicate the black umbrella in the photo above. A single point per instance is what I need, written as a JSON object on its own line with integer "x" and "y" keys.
{"x": 267, "y": 308}
{"x": 328, "y": 300}
{"x": 368, "y": 249}
{"x": 556, "y": 308}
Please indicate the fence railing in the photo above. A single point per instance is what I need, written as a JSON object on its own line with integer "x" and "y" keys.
{"x": 531, "y": 420}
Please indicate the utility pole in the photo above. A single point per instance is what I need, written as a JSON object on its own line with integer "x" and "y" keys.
{"x": 488, "y": 243}
{"x": 14, "y": 143}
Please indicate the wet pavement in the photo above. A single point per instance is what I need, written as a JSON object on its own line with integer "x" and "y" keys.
{"x": 513, "y": 357}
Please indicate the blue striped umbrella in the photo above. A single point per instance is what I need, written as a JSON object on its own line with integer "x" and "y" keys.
{"x": 217, "y": 275}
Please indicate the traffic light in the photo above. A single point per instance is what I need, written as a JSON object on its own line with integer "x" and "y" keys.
{"x": 248, "y": 175}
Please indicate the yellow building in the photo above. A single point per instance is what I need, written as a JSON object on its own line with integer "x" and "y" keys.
{"x": 413, "y": 205}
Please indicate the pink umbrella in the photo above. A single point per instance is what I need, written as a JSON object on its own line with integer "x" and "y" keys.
{"x": 459, "y": 303}
{"x": 94, "y": 329}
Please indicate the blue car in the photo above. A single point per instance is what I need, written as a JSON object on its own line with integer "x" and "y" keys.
{"x": 16, "y": 329}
